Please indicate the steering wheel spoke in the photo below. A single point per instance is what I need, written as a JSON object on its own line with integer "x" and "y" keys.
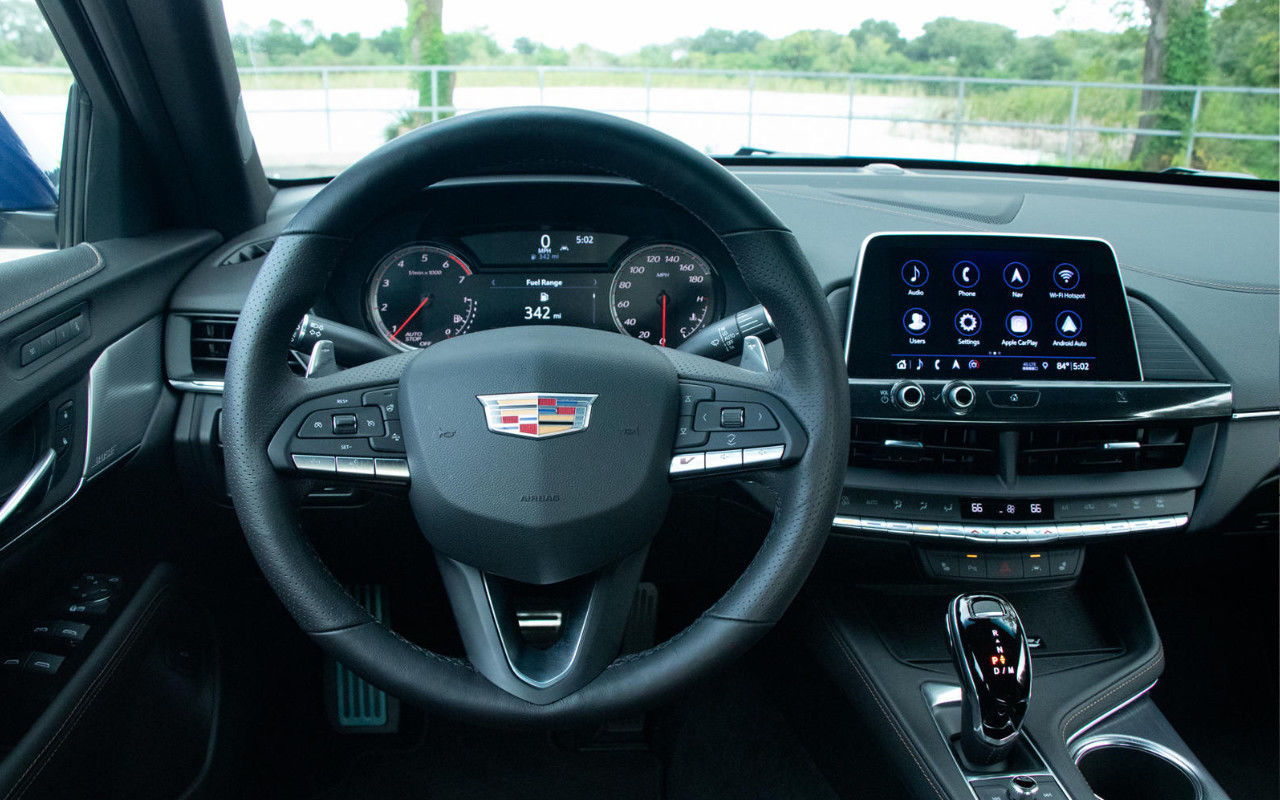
{"x": 541, "y": 643}
{"x": 345, "y": 426}
{"x": 731, "y": 422}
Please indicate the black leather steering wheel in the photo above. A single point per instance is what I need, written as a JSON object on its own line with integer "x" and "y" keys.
{"x": 599, "y": 495}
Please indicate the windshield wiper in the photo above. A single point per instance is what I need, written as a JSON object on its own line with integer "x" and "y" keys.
{"x": 1204, "y": 173}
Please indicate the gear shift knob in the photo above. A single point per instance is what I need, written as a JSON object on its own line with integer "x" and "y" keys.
{"x": 989, "y": 647}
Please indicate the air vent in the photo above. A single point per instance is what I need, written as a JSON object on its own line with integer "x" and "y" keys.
{"x": 210, "y": 343}
{"x": 1073, "y": 450}
{"x": 923, "y": 448}
{"x": 248, "y": 252}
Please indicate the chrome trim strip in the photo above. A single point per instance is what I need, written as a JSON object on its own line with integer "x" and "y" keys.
{"x": 205, "y": 387}
{"x": 862, "y": 250}
{"x": 28, "y": 485}
{"x": 1093, "y": 723}
{"x": 1192, "y": 773}
{"x": 1255, "y": 414}
{"x": 1034, "y": 533}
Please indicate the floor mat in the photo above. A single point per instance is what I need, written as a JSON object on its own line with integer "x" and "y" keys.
{"x": 462, "y": 763}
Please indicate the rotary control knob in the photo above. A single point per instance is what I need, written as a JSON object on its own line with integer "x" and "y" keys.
{"x": 1023, "y": 787}
{"x": 958, "y": 396}
{"x": 907, "y": 395}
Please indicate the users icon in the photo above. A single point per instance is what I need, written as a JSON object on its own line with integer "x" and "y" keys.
{"x": 916, "y": 321}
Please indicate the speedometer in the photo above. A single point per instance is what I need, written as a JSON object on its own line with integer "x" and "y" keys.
{"x": 663, "y": 293}
{"x": 421, "y": 294}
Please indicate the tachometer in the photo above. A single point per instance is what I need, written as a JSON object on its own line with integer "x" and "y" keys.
{"x": 662, "y": 293}
{"x": 419, "y": 295}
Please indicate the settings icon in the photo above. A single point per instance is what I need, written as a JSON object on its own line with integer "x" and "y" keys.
{"x": 968, "y": 322}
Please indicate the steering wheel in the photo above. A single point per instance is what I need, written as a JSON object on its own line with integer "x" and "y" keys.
{"x": 570, "y": 513}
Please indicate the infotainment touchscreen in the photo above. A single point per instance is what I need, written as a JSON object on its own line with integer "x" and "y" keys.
{"x": 983, "y": 307}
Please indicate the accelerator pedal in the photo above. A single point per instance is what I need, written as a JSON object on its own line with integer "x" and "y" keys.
{"x": 352, "y": 704}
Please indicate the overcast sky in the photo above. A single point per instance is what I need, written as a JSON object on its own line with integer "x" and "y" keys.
{"x": 623, "y": 27}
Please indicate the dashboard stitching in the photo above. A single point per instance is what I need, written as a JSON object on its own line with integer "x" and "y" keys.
{"x": 1154, "y": 662}
{"x": 875, "y": 695}
{"x": 1207, "y": 284}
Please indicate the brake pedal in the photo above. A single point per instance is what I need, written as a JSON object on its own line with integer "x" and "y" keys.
{"x": 352, "y": 704}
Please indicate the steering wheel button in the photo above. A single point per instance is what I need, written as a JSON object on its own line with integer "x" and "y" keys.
{"x": 762, "y": 455}
{"x": 686, "y": 436}
{"x": 724, "y": 459}
{"x": 688, "y": 462}
{"x": 348, "y": 465}
{"x": 384, "y": 399}
{"x": 691, "y": 394}
{"x": 396, "y": 468}
{"x": 345, "y": 425}
{"x": 733, "y": 417}
{"x": 314, "y": 463}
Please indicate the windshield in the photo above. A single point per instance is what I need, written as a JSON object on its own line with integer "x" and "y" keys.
{"x": 1127, "y": 85}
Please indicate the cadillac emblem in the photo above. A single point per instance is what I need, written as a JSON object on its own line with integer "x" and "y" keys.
{"x": 536, "y": 415}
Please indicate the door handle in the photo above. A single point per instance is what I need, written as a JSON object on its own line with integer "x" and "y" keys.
{"x": 28, "y": 486}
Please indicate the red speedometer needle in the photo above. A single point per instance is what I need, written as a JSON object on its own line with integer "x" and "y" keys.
{"x": 400, "y": 327}
{"x": 664, "y": 319}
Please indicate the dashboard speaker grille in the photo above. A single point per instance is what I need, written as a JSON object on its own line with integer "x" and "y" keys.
{"x": 210, "y": 344}
{"x": 923, "y": 448}
{"x": 1101, "y": 448}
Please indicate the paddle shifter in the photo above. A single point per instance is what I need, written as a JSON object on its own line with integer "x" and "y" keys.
{"x": 989, "y": 647}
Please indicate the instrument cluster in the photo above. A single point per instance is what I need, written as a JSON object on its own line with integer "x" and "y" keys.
{"x": 657, "y": 291}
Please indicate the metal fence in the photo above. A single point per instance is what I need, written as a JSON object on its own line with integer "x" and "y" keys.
{"x": 957, "y": 89}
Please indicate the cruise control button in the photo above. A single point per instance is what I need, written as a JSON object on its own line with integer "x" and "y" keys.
{"x": 345, "y": 425}
{"x": 392, "y": 441}
{"x": 314, "y": 463}
{"x": 325, "y": 424}
{"x": 689, "y": 462}
{"x": 348, "y": 465}
{"x": 396, "y": 468}
{"x": 724, "y": 459}
{"x": 384, "y": 399}
{"x": 762, "y": 455}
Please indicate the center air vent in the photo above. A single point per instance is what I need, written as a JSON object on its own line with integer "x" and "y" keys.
{"x": 1067, "y": 450}
{"x": 923, "y": 448}
{"x": 210, "y": 343}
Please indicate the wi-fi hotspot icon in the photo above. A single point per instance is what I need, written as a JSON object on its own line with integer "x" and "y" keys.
{"x": 1065, "y": 275}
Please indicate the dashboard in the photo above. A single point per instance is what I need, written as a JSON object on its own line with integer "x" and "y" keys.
{"x": 1031, "y": 358}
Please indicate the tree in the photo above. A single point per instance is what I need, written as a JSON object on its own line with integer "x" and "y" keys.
{"x": 880, "y": 29}
{"x": 1246, "y": 43}
{"x": 975, "y": 48}
{"x": 25, "y": 39}
{"x": 1177, "y": 52}
{"x": 426, "y": 45}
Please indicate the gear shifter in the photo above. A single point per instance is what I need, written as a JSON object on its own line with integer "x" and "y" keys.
{"x": 989, "y": 647}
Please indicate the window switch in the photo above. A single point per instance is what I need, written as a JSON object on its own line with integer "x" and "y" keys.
{"x": 43, "y": 663}
{"x": 62, "y": 629}
{"x": 97, "y": 608}
{"x": 12, "y": 661}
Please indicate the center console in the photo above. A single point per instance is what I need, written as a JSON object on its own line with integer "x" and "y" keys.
{"x": 1007, "y": 393}
{"x": 1014, "y": 410}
